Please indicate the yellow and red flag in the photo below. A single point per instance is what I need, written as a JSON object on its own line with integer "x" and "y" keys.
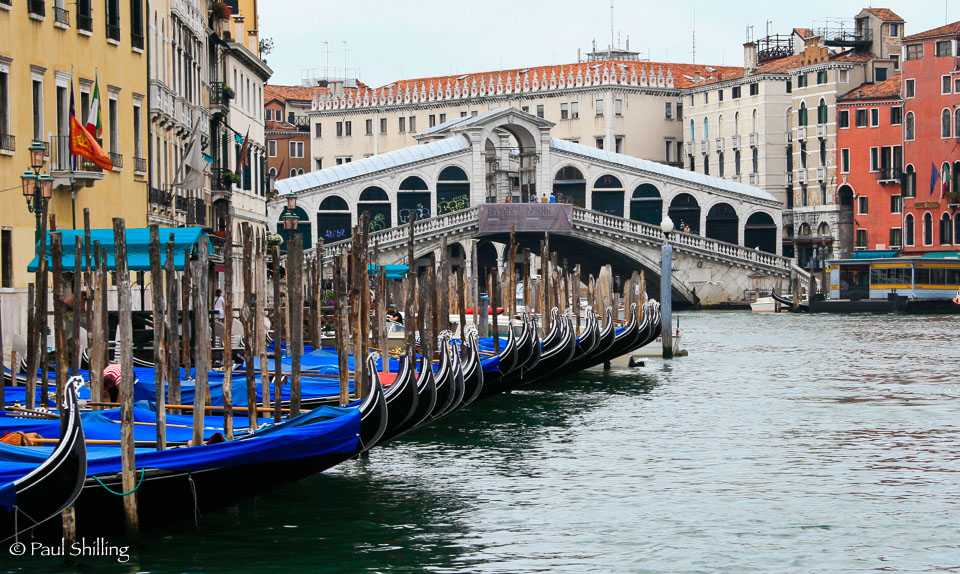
{"x": 85, "y": 145}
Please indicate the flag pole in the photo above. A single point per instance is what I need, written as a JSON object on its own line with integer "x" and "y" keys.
{"x": 73, "y": 189}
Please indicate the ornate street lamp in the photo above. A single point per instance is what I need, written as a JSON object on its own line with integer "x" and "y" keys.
{"x": 36, "y": 187}
{"x": 38, "y": 149}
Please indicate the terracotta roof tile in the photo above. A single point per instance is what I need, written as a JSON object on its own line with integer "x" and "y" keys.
{"x": 946, "y": 30}
{"x": 684, "y": 75}
{"x": 885, "y": 14}
{"x": 887, "y": 89}
{"x": 851, "y": 56}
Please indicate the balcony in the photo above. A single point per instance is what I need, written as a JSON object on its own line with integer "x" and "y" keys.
{"x": 802, "y": 133}
{"x": 160, "y": 198}
{"x": 117, "y": 160}
{"x": 689, "y": 148}
{"x": 220, "y": 94}
{"x": 719, "y": 143}
{"x": 789, "y": 178}
{"x": 180, "y": 203}
{"x": 8, "y": 142}
{"x": 821, "y": 174}
{"x": 61, "y": 16}
{"x": 754, "y": 178}
{"x": 802, "y": 176}
{"x": 67, "y": 168}
{"x": 705, "y": 146}
{"x": 821, "y": 131}
{"x": 139, "y": 165}
{"x": 161, "y": 103}
{"x": 889, "y": 176}
{"x": 735, "y": 142}
{"x": 754, "y": 139}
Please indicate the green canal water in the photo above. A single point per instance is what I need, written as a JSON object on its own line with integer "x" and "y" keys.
{"x": 781, "y": 444}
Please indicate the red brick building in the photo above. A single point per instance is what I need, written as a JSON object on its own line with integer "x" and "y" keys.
{"x": 288, "y": 129}
{"x": 931, "y": 134}
{"x": 870, "y": 160}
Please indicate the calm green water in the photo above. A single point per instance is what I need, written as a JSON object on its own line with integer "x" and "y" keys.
{"x": 781, "y": 444}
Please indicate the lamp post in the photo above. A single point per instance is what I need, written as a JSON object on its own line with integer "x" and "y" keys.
{"x": 666, "y": 293}
{"x": 37, "y": 188}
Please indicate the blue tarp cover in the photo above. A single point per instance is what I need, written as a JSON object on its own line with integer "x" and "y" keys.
{"x": 138, "y": 245}
{"x": 392, "y": 271}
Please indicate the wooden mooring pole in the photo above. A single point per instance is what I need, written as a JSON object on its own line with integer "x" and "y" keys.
{"x": 295, "y": 305}
{"x": 228, "y": 330}
{"x": 201, "y": 306}
{"x": 157, "y": 291}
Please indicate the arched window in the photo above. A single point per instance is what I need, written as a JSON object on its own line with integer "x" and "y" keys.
{"x": 607, "y": 196}
{"x": 685, "y": 212}
{"x": 736, "y": 124}
{"x": 822, "y": 112}
{"x": 956, "y": 122}
{"x": 333, "y": 219}
{"x": 761, "y": 231}
{"x": 756, "y": 122}
{"x": 375, "y": 202}
{"x": 956, "y": 228}
{"x": 804, "y": 230}
{"x": 693, "y": 130}
{"x": 946, "y": 229}
{"x": 802, "y": 115}
{"x": 569, "y": 186}
{"x": 300, "y": 171}
{"x": 722, "y": 223}
{"x": 736, "y": 162}
{"x": 720, "y": 126}
{"x": 756, "y": 161}
{"x": 911, "y": 181}
{"x": 927, "y": 229}
{"x": 945, "y": 178}
{"x": 706, "y": 128}
{"x": 909, "y": 130}
{"x": 293, "y": 173}
{"x": 720, "y": 164}
{"x": 453, "y": 190}
{"x": 273, "y": 171}
{"x": 945, "y": 123}
{"x": 646, "y": 205}
{"x": 908, "y": 230}
{"x": 334, "y": 203}
{"x": 955, "y": 183}
{"x": 413, "y": 198}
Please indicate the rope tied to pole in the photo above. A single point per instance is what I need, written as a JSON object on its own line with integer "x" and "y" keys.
{"x": 135, "y": 488}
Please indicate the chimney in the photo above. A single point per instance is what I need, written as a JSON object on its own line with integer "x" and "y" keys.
{"x": 749, "y": 58}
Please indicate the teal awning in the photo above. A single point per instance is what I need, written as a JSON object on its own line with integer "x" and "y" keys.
{"x": 392, "y": 271}
{"x": 942, "y": 254}
{"x": 138, "y": 247}
{"x": 873, "y": 254}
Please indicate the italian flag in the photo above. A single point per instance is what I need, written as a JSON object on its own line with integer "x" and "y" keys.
{"x": 94, "y": 125}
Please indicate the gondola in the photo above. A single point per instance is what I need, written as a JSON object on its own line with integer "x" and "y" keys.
{"x": 803, "y": 307}
{"x": 534, "y": 360}
{"x": 182, "y": 482}
{"x": 445, "y": 385}
{"x": 630, "y": 334}
{"x": 553, "y": 360}
{"x": 527, "y": 344}
{"x": 472, "y": 371}
{"x": 587, "y": 342}
{"x": 426, "y": 392}
{"x": 401, "y": 397}
{"x": 47, "y": 489}
{"x": 493, "y": 379}
{"x": 456, "y": 380}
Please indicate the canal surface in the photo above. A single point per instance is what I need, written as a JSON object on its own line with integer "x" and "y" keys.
{"x": 781, "y": 444}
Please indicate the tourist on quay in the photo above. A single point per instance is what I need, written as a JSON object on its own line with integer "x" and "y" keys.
{"x": 218, "y": 304}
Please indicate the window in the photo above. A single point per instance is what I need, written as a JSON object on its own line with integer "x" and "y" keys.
{"x": 4, "y": 104}
{"x": 789, "y": 87}
{"x": 843, "y": 118}
{"x": 524, "y": 108}
{"x": 908, "y": 230}
{"x": 318, "y": 163}
{"x": 909, "y": 88}
{"x": 823, "y": 153}
{"x": 679, "y": 110}
{"x": 803, "y": 154}
{"x": 946, "y": 229}
{"x": 945, "y": 85}
{"x": 136, "y": 24}
{"x": 927, "y": 229}
{"x": 693, "y": 163}
{"x": 6, "y": 258}
{"x": 402, "y": 125}
{"x": 822, "y": 112}
{"x": 736, "y": 162}
{"x": 268, "y": 115}
{"x": 879, "y": 75}
{"x": 618, "y": 144}
{"x": 802, "y": 114}
{"x": 956, "y": 122}
{"x": 874, "y": 159}
{"x": 599, "y": 142}
{"x": 719, "y": 95}
{"x": 413, "y": 123}
{"x": 896, "y": 237}
{"x": 574, "y": 110}
{"x": 617, "y": 107}
{"x": 803, "y": 195}
{"x": 296, "y": 149}
{"x": 706, "y": 128}
{"x": 943, "y": 49}
{"x": 473, "y": 113}
{"x": 956, "y": 85}
{"x": 894, "y": 30}
{"x": 113, "y": 20}
{"x": 293, "y": 173}
{"x": 668, "y": 110}
{"x": 754, "y": 89}
{"x": 802, "y": 81}
{"x": 874, "y": 117}
{"x": 915, "y": 52}
{"x": 431, "y": 120}
{"x": 368, "y": 125}
{"x": 463, "y": 114}
{"x": 896, "y": 115}
{"x": 720, "y": 164}
{"x": 348, "y": 128}
{"x": 112, "y": 114}
{"x": 706, "y": 97}
{"x": 845, "y": 76}
{"x": 861, "y": 120}
{"x": 862, "y": 205}
{"x": 443, "y": 118}
{"x": 945, "y": 123}
{"x": 318, "y": 130}
{"x": 598, "y": 106}
{"x": 706, "y": 165}
{"x": 383, "y": 125}
{"x": 137, "y": 136}
{"x": 565, "y": 110}
{"x": 540, "y": 110}
{"x": 756, "y": 160}
{"x": 343, "y": 160}
{"x": 339, "y": 129}
{"x": 861, "y": 239}
{"x": 821, "y": 77}
{"x": 271, "y": 148}
{"x": 38, "y": 108}
{"x": 845, "y": 160}
{"x": 896, "y": 204}
{"x": 908, "y": 128}
{"x": 735, "y": 92}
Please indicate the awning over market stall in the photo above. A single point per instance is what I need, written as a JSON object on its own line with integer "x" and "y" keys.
{"x": 391, "y": 271}
{"x": 138, "y": 247}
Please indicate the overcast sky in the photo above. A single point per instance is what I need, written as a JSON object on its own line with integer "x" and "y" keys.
{"x": 392, "y": 40}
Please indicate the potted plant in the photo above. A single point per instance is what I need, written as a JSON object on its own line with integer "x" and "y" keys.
{"x": 220, "y": 11}
{"x": 228, "y": 93}
{"x": 274, "y": 240}
{"x": 228, "y": 178}
{"x": 953, "y": 198}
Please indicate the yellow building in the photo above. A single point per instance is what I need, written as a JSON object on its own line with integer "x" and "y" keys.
{"x": 47, "y": 46}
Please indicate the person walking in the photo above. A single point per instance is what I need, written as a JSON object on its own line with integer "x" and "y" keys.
{"x": 218, "y": 304}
